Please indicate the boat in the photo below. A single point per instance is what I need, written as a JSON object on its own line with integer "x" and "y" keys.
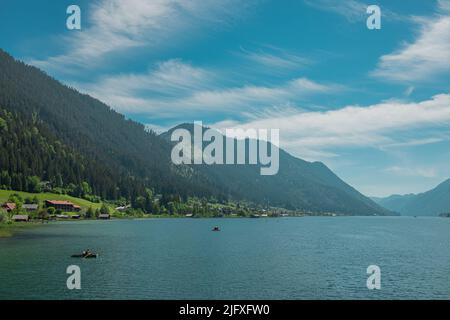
{"x": 216, "y": 229}
{"x": 89, "y": 256}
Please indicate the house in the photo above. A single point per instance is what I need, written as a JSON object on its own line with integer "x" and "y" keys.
{"x": 104, "y": 216}
{"x": 65, "y": 206}
{"x": 20, "y": 218}
{"x": 30, "y": 207}
{"x": 9, "y": 206}
{"x": 123, "y": 208}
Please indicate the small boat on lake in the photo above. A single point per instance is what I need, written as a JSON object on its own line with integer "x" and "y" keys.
{"x": 89, "y": 256}
{"x": 216, "y": 229}
{"x": 85, "y": 255}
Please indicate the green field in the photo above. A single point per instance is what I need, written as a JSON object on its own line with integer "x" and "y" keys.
{"x": 84, "y": 204}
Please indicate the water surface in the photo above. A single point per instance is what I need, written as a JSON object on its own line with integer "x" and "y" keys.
{"x": 285, "y": 258}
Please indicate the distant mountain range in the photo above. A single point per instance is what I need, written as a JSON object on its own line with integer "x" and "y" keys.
{"x": 431, "y": 203}
{"x": 52, "y": 133}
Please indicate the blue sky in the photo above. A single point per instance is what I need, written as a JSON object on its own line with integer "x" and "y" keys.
{"x": 374, "y": 105}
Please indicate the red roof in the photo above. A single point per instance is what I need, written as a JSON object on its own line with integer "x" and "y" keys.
{"x": 60, "y": 202}
{"x": 9, "y": 206}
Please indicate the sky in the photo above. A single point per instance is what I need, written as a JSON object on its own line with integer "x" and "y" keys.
{"x": 373, "y": 105}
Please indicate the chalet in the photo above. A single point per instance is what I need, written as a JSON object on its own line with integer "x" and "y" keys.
{"x": 9, "y": 206}
{"x": 20, "y": 218}
{"x": 65, "y": 206}
{"x": 123, "y": 208}
{"x": 104, "y": 216}
{"x": 30, "y": 207}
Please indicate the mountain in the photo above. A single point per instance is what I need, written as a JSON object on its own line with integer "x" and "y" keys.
{"x": 394, "y": 202}
{"x": 298, "y": 185}
{"x": 56, "y": 138}
{"x": 430, "y": 203}
{"x": 115, "y": 156}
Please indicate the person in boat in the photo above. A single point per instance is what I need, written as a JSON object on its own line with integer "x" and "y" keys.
{"x": 87, "y": 253}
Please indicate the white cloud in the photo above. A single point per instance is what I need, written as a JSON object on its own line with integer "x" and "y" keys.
{"x": 409, "y": 91}
{"x": 379, "y": 125}
{"x": 412, "y": 172}
{"x": 426, "y": 57}
{"x": 169, "y": 77}
{"x": 352, "y": 10}
{"x": 174, "y": 88}
{"x": 413, "y": 142}
{"x": 118, "y": 25}
{"x": 275, "y": 58}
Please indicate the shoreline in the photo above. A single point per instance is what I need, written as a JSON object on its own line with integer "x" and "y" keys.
{"x": 10, "y": 230}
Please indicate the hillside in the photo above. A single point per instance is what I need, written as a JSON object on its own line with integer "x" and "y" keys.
{"x": 309, "y": 186}
{"x": 84, "y": 204}
{"x": 430, "y": 203}
{"x": 53, "y": 137}
{"x": 114, "y": 155}
{"x": 395, "y": 202}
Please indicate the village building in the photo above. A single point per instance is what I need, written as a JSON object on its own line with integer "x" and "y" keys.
{"x": 20, "y": 218}
{"x": 104, "y": 216}
{"x": 30, "y": 207}
{"x": 65, "y": 206}
{"x": 9, "y": 206}
{"x": 123, "y": 208}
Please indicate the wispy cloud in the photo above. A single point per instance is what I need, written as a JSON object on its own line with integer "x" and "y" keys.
{"x": 168, "y": 78}
{"x": 426, "y": 57}
{"x": 413, "y": 171}
{"x": 115, "y": 26}
{"x": 275, "y": 58}
{"x": 409, "y": 91}
{"x": 175, "y": 88}
{"x": 378, "y": 126}
{"x": 352, "y": 10}
{"x": 413, "y": 142}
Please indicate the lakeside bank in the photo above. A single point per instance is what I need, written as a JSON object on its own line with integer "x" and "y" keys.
{"x": 8, "y": 230}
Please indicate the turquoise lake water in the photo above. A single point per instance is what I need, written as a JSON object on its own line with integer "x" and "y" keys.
{"x": 285, "y": 258}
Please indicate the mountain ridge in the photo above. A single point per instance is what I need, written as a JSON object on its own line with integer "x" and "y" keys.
{"x": 133, "y": 160}
{"x": 306, "y": 185}
{"x": 430, "y": 203}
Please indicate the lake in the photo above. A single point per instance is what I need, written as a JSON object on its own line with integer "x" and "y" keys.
{"x": 279, "y": 258}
